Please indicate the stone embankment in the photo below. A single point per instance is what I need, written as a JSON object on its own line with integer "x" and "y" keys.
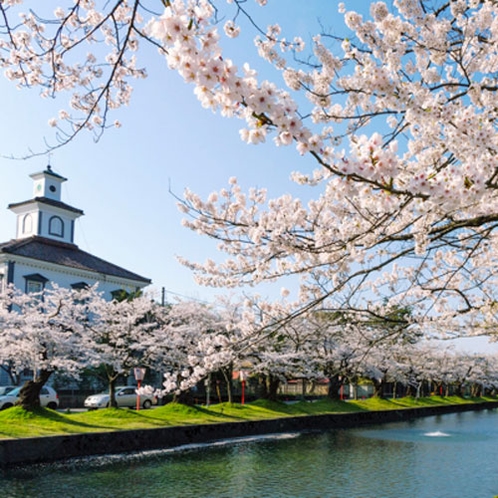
{"x": 48, "y": 449}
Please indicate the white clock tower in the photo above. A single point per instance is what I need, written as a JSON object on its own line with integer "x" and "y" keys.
{"x": 46, "y": 215}
{"x": 44, "y": 251}
{"x": 47, "y": 184}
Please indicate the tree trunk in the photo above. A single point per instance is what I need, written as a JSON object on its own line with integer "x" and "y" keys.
{"x": 475, "y": 390}
{"x": 335, "y": 383}
{"x": 112, "y": 392}
{"x": 184, "y": 397}
{"x": 273, "y": 385}
{"x": 460, "y": 389}
{"x": 262, "y": 389}
{"x": 29, "y": 395}
{"x": 378, "y": 388}
{"x": 227, "y": 375}
{"x": 268, "y": 386}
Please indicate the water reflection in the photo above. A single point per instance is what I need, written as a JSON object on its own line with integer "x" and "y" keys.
{"x": 437, "y": 457}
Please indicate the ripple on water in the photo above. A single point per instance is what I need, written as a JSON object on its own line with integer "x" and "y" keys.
{"x": 437, "y": 434}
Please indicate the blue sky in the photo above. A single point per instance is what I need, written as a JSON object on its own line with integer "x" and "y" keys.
{"x": 167, "y": 139}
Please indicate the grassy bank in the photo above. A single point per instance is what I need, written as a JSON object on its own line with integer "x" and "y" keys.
{"x": 17, "y": 423}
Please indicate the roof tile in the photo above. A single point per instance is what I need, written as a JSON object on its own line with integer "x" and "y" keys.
{"x": 60, "y": 253}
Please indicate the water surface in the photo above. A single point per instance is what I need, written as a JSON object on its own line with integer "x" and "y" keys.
{"x": 448, "y": 456}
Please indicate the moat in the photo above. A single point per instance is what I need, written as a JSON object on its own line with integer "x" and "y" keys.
{"x": 447, "y": 456}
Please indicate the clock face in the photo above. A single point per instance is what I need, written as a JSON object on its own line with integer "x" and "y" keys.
{"x": 38, "y": 187}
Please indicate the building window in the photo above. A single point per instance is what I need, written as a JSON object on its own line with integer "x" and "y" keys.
{"x": 35, "y": 283}
{"x": 79, "y": 286}
{"x": 27, "y": 224}
{"x": 33, "y": 287}
{"x": 56, "y": 226}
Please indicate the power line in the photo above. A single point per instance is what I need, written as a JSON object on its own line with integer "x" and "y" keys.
{"x": 164, "y": 291}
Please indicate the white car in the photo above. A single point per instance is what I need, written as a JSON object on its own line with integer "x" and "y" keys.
{"x": 6, "y": 389}
{"x": 125, "y": 397}
{"x": 48, "y": 398}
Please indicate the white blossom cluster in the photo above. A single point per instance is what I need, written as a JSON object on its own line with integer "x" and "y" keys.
{"x": 405, "y": 212}
{"x": 67, "y": 331}
{"x": 47, "y": 49}
{"x": 44, "y": 334}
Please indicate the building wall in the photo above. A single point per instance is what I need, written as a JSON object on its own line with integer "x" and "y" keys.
{"x": 65, "y": 277}
{"x": 65, "y": 235}
{"x": 25, "y": 228}
{"x": 35, "y": 219}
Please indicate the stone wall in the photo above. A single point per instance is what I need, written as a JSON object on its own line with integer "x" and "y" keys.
{"x": 46, "y": 449}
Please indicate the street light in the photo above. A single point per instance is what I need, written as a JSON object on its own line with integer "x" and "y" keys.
{"x": 242, "y": 377}
{"x": 139, "y": 373}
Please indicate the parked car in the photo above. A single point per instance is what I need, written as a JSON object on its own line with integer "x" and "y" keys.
{"x": 125, "y": 397}
{"x": 5, "y": 389}
{"x": 48, "y": 398}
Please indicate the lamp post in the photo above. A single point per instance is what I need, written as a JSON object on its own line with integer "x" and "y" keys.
{"x": 243, "y": 382}
{"x": 139, "y": 373}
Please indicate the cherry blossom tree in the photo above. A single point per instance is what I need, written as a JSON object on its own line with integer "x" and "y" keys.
{"x": 44, "y": 333}
{"x": 276, "y": 356}
{"x": 342, "y": 356}
{"x": 274, "y": 350}
{"x": 125, "y": 334}
{"x": 399, "y": 116}
{"x": 314, "y": 346}
{"x": 196, "y": 343}
{"x": 407, "y": 211}
{"x": 460, "y": 373}
{"x": 483, "y": 378}
{"x": 428, "y": 368}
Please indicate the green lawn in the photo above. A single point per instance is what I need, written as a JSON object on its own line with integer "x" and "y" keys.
{"x": 17, "y": 423}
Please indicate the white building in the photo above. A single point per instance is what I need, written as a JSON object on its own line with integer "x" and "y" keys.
{"x": 44, "y": 251}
